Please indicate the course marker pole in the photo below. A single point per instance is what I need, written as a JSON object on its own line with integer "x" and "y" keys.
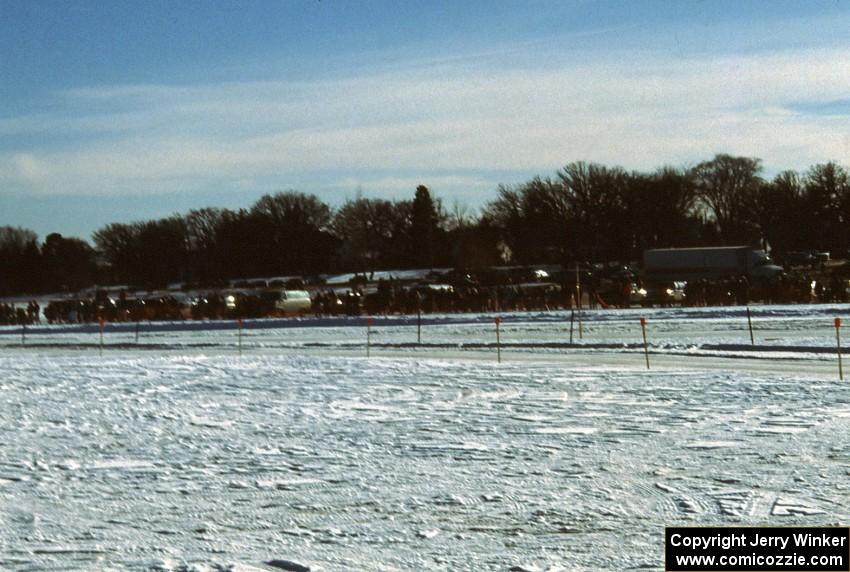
{"x": 645, "y": 348}
{"x": 750, "y": 324}
{"x": 100, "y": 322}
{"x": 838, "y": 346}
{"x": 418, "y": 319}
{"x": 239, "y": 325}
{"x": 368, "y": 335}
{"x": 498, "y": 341}
{"x": 572, "y": 319}
{"x": 578, "y": 301}
{"x": 23, "y": 334}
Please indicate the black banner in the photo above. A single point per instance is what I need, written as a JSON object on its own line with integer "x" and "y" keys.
{"x": 757, "y": 549}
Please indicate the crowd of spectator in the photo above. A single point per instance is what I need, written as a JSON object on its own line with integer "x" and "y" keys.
{"x": 14, "y": 314}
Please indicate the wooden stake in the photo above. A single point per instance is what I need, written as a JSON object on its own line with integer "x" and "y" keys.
{"x": 418, "y": 319}
{"x": 838, "y": 347}
{"x": 578, "y": 301}
{"x": 498, "y": 341}
{"x": 750, "y": 324}
{"x": 368, "y": 335}
{"x": 239, "y": 324}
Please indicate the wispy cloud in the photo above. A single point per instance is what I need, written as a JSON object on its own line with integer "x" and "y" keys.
{"x": 463, "y": 122}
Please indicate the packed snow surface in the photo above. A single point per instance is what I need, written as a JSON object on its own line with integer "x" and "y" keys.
{"x": 777, "y": 330}
{"x": 192, "y": 457}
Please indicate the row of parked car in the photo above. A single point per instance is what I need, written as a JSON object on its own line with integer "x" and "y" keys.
{"x": 168, "y": 305}
{"x": 809, "y": 258}
{"x": 443, "y": 290}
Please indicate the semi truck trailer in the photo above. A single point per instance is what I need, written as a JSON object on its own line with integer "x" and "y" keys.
{"x": 714, "y": 262}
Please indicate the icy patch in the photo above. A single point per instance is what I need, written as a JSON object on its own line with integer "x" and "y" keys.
{"x": 566, "y": 430}
{"x": 788, "y": 507}
{"x": 712, "y": 444}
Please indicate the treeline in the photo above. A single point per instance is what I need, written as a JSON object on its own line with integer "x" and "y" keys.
{"x": 58, "y": 263}
{"x": 585, "y": 212}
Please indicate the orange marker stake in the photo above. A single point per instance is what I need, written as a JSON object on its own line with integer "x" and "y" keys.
{"x": 645, "y": 348}
{"x": 838, "y": 346}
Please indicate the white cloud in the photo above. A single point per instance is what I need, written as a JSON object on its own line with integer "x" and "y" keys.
{"x": 639, "y": 110}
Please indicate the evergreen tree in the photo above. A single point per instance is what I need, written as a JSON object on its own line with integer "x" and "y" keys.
{"x": 424, "y": 229}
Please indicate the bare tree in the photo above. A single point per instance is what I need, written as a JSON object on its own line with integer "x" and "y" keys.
{"x": 729, "y": 187}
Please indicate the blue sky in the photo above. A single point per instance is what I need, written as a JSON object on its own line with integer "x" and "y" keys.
{"x": 119, "y": 111}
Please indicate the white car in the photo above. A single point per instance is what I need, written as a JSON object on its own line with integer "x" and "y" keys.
{"x": 637, "y": 295}
{"x": 676, "y": 292}
{"x": 293, "y": 302}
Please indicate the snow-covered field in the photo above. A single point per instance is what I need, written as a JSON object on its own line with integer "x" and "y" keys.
{"x": 180, "y": 454}
{"x": 781, "y": 331}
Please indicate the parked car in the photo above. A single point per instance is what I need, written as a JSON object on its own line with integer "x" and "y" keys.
{"x": 637, "y": 295}
{"x": 676, "y": 292}
{"x": 665, "y": 294}
{"x": 292, "y": 302}
{"x": 798, "y": 258}
{"x": 821, "y": 257}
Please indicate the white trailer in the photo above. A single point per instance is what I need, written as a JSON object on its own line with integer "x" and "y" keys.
{"x": 685, "y": 264}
